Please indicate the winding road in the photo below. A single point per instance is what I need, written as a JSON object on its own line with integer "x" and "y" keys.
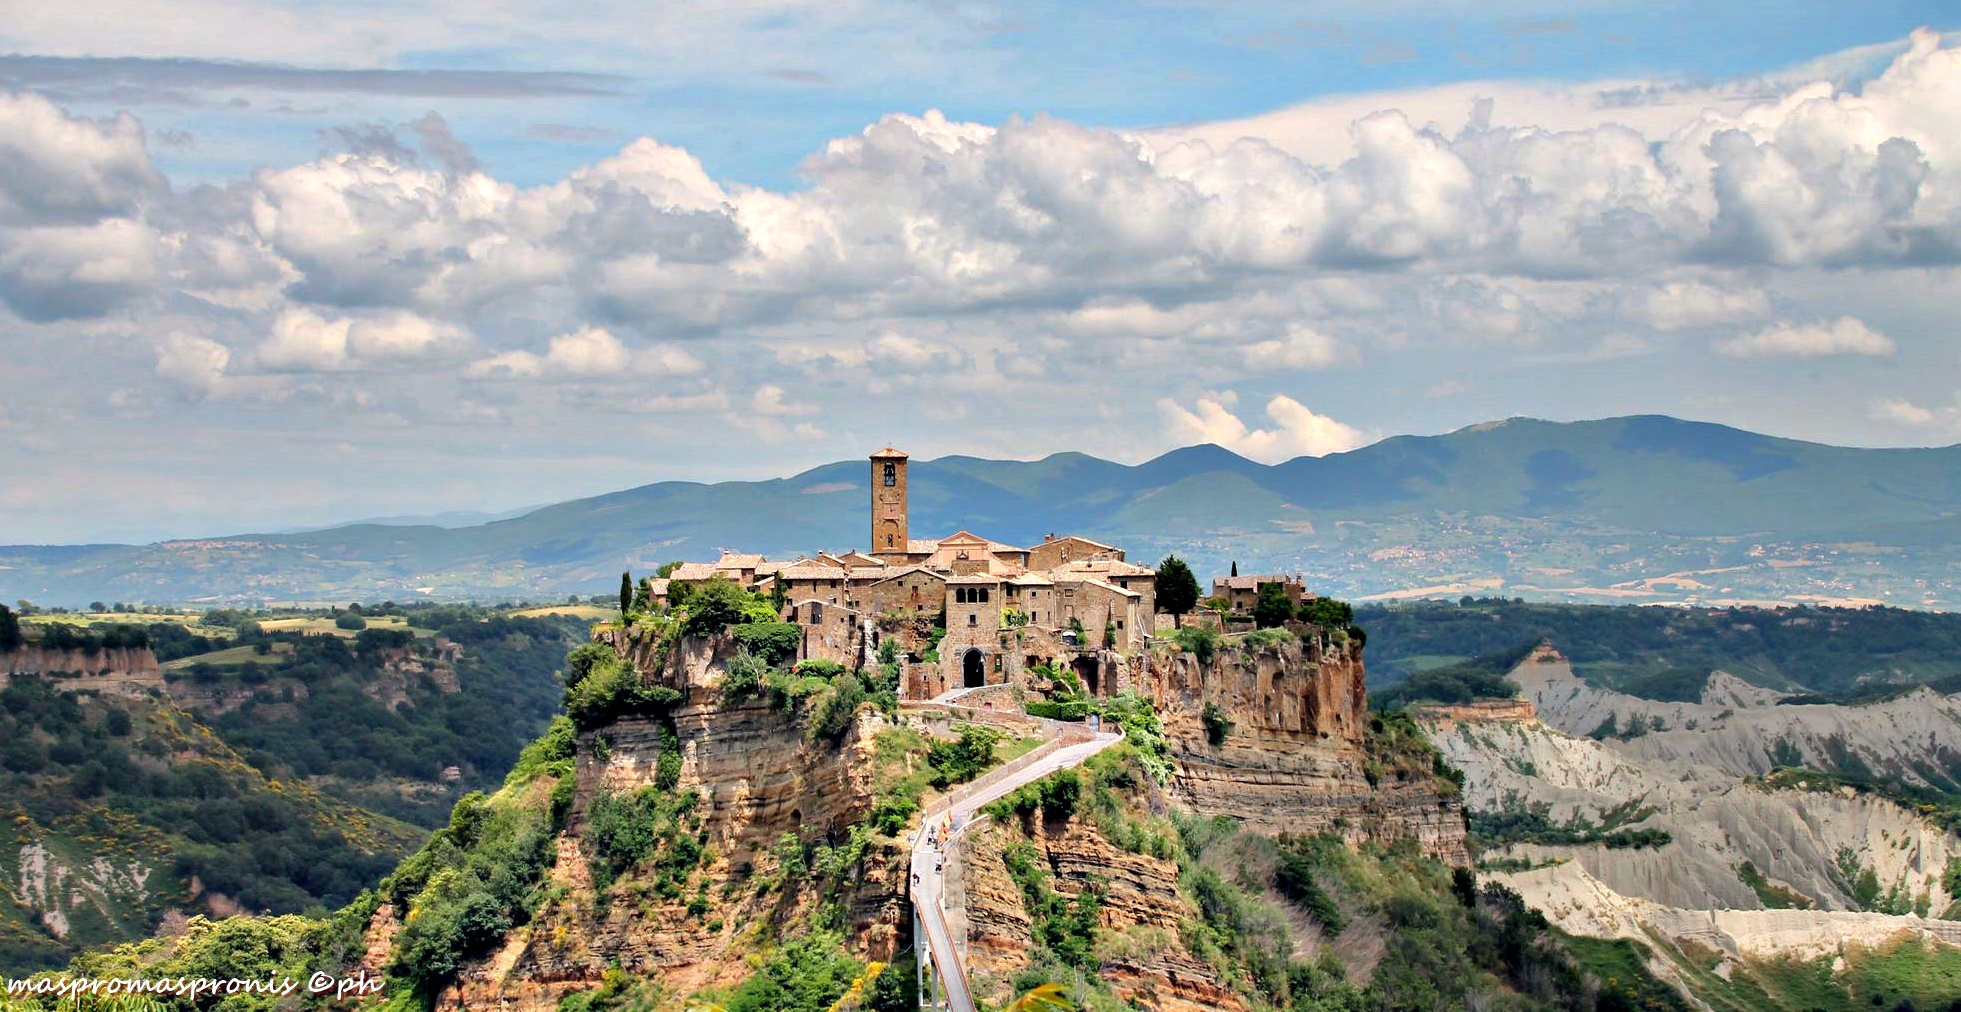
{"x": 1069, "y": 745}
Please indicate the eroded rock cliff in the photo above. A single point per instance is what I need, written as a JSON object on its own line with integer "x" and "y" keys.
{"x": 1290, "y": 746}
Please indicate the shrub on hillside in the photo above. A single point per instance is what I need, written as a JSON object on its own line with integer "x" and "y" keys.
{"x": 956, "y": 762}
{"x": 1327, "y": 613}
{"x": 714, "y": 605}
{"x": 1201, "y": 641}
{"x": 774, "y": 642}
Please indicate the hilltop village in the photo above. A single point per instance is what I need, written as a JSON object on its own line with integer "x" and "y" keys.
{"x": 967, "y": 612}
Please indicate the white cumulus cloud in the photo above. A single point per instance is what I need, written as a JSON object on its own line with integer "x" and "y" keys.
{"x": 586, "y": 353}
{"x": 1301, "y": 348}
{"x": 1296, "y": 430}
{"x": 1843, "y": 336}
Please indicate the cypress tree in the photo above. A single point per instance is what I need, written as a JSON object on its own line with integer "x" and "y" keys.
{"x": 626, "y": 593}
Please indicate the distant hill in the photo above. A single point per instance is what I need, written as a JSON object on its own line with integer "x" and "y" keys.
{"x": 1638, "y": 509}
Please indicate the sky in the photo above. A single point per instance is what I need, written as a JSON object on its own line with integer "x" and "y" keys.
{"x": 266, "y": 265}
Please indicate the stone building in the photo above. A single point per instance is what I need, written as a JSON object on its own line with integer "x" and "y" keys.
{"x": 966, "y": 611}
{"x": 1243, "y": 592}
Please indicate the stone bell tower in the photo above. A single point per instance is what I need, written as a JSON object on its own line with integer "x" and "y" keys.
{"x": 889, "y": 505}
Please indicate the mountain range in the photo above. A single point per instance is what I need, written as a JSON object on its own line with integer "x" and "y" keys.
{"x": 1643, "y": 508}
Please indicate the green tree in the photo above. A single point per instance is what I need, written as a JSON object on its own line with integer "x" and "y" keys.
{"x": 715, "y": 605}
{"x": 1328, "y": 613}
{"x": 350, "y": 622}
{"x": 1273, "y": 608}
{"x": 1235, "y": 567}
{"x": 626, "y": 592}
{"x": 10, "y": 637}
{"x": 779, "y": 598}
{"x": 1177, "y": 588}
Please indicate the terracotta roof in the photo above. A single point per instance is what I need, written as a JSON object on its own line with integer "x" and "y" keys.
{"x": 693, "y": 571}
{"x": 1114, "y": 567}
{"x": 859, "y": 559}
{"x": 862, "y": 573}
{"x": 738, "y": 560}
{"x": 810, "y": 571}
{"x": 658, "y": 587}
{"x": 890, "y": 451}
{"x": 908, "y": 571}
{"x": 827, "y": 559}
{"x": 922, "y": 546}
{"x": 1031, "y": 580}
{"x": 965, "y": 538}
{"x": 1112, "y": 588}
{"x": 1084, "y": 540}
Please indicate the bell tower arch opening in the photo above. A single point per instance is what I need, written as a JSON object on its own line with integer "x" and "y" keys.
{"x": 889, "y": 505}
{"x": 973, "y": 668}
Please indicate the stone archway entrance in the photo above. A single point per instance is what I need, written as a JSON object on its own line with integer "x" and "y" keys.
{"x": 973, "y": 668}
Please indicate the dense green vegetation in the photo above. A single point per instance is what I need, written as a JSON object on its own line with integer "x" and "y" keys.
{"x": 482, "y": 874}
{"x": 316, "y": 714}
{"x": 136, "y": 782}
{"x": 1522, "y": 821}
{"x": 238, "y": 792}
{"x": 1664, "y": 653}
{"x": 1446, "y": 940}
{"x": 1481, "y": 677}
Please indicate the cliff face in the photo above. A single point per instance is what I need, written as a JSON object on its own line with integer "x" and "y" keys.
{"x": 759, "y": 783}
{"x": 126, "y": 670}
{"x": 1744, "y": 730}
{"x": 1809, "y": 842}
{"x": 1297, "y": 754}
{"x": 1144, "y": 964}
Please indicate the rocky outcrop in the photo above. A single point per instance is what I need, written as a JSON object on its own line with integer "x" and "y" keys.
{"x": 1814, "y": 842}
{"x": 1294, "y": 756}
{"x": 1145, "y": 965}
{"x": 758, "y": 780}
{"x": 1302, "y": 690}
{"x": 1477, "y": 711}
{"x": 1744, "y": 729}
{"x": 1581, "y": 904}
{"x": 126, "y": 670}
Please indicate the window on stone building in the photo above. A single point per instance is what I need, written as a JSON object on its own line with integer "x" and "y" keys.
{"x": 891, "y": 475}
{"x": 983, "y": 591}
{"x": 973, "y": 619}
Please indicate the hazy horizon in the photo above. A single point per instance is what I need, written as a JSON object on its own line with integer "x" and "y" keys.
{"x": 266, "y": 265}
